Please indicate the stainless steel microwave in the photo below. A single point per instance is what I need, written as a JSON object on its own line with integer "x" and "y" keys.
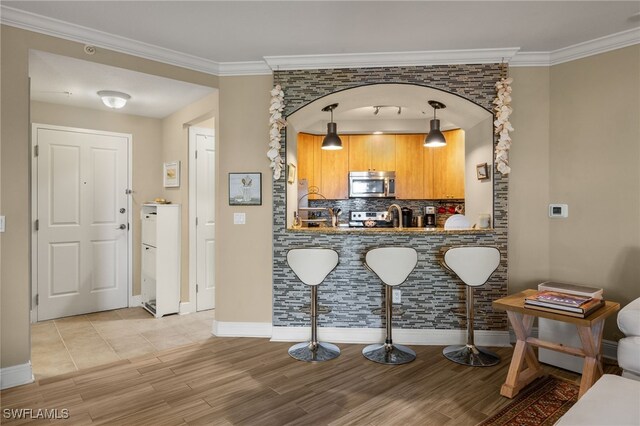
{"x": 372, "y": 184}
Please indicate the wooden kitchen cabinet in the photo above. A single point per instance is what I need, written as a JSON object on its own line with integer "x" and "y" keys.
{"x": 310, "y": 160}
{"x": 444, "y": 168}
{"x": 372, "y": 153}
{"x": 410, "y": 167}
{"x": 335, "y": 171}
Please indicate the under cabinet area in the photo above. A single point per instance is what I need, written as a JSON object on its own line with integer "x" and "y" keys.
{"x": 421, "y": 173}
{"x": 160, "y": 258}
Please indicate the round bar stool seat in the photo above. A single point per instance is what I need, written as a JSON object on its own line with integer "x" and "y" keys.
{"x": 392, "y": 265}
{"x": 311, "y": 266}
{"x": 474, "y": 265}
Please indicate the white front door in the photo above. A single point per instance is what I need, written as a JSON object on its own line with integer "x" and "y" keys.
{"x": 204, "y": 205}
{"x": 82, "y": 214}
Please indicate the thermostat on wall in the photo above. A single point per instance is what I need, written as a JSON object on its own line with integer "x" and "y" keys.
{"x": 558, "y": 210}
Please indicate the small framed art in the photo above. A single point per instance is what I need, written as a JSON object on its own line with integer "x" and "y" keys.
{"x": 171, "y": 174}
{"x": 482, "y": 171}
{"x": 245, "y": 189}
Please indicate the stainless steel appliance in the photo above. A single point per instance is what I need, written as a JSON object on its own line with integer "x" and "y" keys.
{"x": 430, "y": 217}
{"x": 369, "y": 220}
{"x": 372, "y": 184}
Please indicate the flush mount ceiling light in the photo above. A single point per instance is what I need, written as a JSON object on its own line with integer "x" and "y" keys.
{"x": 332, "y": 140}
{"x": 435, "y": 137}
{"x": 113, "y": 99}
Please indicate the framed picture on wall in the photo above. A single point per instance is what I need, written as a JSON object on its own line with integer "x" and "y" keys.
{"x": 482, "y": 171}
{"x": 171, "y": 174}
{"x": 245, "y": 189}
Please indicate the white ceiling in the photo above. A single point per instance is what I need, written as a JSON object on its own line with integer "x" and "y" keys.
{"x": 232, "y": 31}
{"x": 205, "y": 35}
{"x": 68, "y": 81}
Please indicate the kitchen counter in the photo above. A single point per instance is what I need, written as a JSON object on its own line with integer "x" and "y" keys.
{"x": 395, "y": 231}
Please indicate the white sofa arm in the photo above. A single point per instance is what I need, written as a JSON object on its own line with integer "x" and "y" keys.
{"x": 629, "y": 319}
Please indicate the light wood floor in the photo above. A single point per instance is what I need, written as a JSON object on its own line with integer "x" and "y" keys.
{"x": 250, "y": 381}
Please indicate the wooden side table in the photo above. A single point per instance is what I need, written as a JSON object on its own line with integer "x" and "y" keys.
{"x": 589, "y": 329}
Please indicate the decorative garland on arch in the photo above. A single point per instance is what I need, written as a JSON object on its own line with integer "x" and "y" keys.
{"x": 276, "y": 124}
{"x": 502, "y": 126}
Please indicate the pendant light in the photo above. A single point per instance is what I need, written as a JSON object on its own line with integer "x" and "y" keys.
{"x": 435, "y": 137}
{"x": 332, "y": 140}
{"x": 113, "y": 99}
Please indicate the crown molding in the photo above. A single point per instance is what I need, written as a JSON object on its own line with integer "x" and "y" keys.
{"x": 391, "y": 59}
{"x": 243, "y": 68}
{"x": 57, "y": 28}
{"x": 577, "y": 51}
{"x": 595, "y": 46}
{"x": 65, "y": 30}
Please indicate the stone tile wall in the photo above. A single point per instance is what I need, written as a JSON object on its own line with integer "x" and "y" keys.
{"x": 432, "y": 298}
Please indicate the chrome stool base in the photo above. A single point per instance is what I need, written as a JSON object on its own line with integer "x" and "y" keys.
{"x": 389, "y": 354}
{"x": 471, "y": 355}
{"x": 322, "y": 352}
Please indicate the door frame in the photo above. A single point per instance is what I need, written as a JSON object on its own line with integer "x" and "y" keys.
{"x": 34, "y": 210}
{"x": 192, "y": 305}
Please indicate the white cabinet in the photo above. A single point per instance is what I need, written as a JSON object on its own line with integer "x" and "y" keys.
{"x": 161, "y": 258}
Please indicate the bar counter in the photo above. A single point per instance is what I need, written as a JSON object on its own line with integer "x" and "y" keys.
{"x": 394, "y": 231}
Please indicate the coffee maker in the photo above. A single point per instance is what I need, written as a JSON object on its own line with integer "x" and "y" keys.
{"x": 407, "y": 217}
{"x": 430, "y": 217}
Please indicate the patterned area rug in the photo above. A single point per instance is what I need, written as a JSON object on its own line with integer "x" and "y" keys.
{"x": 541, "y": 403}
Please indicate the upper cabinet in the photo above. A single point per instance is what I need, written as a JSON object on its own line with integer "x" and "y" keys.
{"x": 421, "y": 173}
{"x": 335, "y": 170}
{"x": 410, "y": 182}
{"x": 372, "y": 153}
{"x": 444, "y": 168}
{"x": 310, "y": 160}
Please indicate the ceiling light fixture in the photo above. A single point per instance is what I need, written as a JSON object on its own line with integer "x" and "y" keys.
{"x": 113, "y": 99}
{"x": 332, "y": 140}
{"x": 435, "y": 137}
{"x": 376, "y": 108}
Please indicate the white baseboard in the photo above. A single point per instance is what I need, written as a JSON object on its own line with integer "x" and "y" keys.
{"x": 16, "y": 375}
{"x": 187, "y": 308}
{"x": 241, "y": 329}
{"x": 403, "y": 336}
{"x": 135, "y": 301}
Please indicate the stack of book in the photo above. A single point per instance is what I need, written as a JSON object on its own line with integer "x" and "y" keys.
{"x": 565, "y": 299}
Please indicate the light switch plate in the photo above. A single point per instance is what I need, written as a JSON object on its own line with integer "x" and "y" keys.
{"x": 558, "y": 210}
{"x": 397, "y": 296}
{"x": 2, "y": 223}
{"x": 239, "y": 218}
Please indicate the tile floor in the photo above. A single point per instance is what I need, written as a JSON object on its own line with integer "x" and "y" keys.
{"x": 74, "y": 343}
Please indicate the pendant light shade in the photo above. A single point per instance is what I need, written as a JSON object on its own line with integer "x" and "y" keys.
{"x": 435, "y": 138}
{"x": 332, "y": 140}
{"x": 113, "y": 99}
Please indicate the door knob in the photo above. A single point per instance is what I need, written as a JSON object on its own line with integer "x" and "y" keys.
{"x": 122, "y": 226}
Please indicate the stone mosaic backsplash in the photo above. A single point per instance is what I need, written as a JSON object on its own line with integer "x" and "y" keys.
{"x": 380, "y": 205}
{"x": 432, "y": 298}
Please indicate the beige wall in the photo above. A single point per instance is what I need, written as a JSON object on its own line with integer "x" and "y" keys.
{"x": 577, "y": 141}
{"x": 478, "y": 147}
{"x": 594, "y": 167}
{"x": 244, "y": 252}
{"x": 15, "y": 191}
{"x": 147, "y": 155}
{"x": 175, "y": 146}
{"x": 529, "y": 179}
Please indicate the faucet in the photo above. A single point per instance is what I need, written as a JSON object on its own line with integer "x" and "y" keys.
{"x": 399, "y": 214}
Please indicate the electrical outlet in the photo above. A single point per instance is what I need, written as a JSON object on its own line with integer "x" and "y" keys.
{"x": 239, "y": 218}
{"x": 2, "y": 223}
{"x": 397, "y": 296}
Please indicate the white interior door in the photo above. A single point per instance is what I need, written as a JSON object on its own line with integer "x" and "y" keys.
{"x": 204, "y": 203}
{"x": 82, "y": 212}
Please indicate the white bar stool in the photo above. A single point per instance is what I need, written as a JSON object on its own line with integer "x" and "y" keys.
{"x": 473, "y": 265}
{"x": 311, "y": 266}
{"x": 392, "y": 265}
